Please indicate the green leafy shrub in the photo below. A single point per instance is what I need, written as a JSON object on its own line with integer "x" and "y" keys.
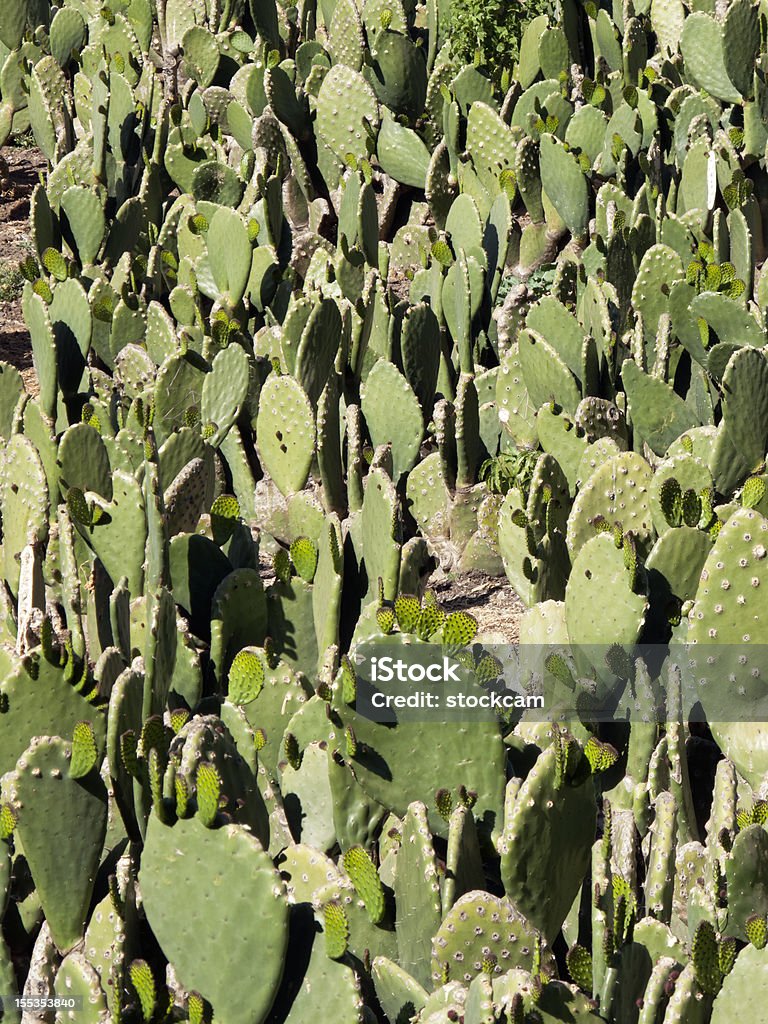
{"x": 490, "y": 32}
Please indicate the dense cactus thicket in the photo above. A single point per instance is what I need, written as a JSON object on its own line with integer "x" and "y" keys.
{"x": 321, "y": 302}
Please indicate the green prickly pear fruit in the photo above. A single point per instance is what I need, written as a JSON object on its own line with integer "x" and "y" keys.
{"x": 365, "y": 878}
{"x": 691, "y": 508}
{"x": 181, "y": 787}
{"x": 84, "y": 752}
{"x": 756, "y": 929}
{"x": 198, "y": 1010}
{"x": 143, "y": 983}
{"x": 225, "y": 511}
{"x": 246, "y": 676}
{"x": 407, "y": 612}
{"x": 336, "y": 928}
{"x": 30, "y": 269}
{"x": 727, "y": 955}
{"x": 155, "y": 770}
{"x": 431, "y": 619}
{"x": 385, "y": 617}
{"x": 78, "y": 506}
{"x": 444, "y": 804}
{"x": 129, "y": 753}
{"x": 706, "y": 958}
{"x": 55, "y": 263}
{"x": 601, "y": 756}
{"x": 8, "y": 819}
{"x": 281, "y": 563}
{"x": 753, "y": 492}
{"x": 350, "y": 742}
{"x": 517, "y": 1009}
{"x": 579, "y": 961}
{"x": 671, "y": 500}
{"x": 43, "y": 289}
{"x": 179, "y": 718}
{"x": 304, "y": 555}
{"x": 348, "y": 681}
{"x": 208, "y": 787}
{"x": 459, "y": 629}
{"x": 292, "y": 751}
{"x": 441, "y": 251}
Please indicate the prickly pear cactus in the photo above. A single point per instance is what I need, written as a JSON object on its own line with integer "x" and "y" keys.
{"x": 329, "y": 306}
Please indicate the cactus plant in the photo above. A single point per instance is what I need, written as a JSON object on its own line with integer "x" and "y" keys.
{"x": 404, "y": 306}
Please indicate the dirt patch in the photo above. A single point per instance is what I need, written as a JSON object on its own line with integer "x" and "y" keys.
{"x": 489, "y": 599}
{"x": 19, "y": 174}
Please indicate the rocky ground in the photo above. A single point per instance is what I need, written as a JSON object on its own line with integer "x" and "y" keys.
{"x": 18, "y": 176}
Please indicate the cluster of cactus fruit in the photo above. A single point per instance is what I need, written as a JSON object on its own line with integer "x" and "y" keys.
{"x": 314, "y": 309}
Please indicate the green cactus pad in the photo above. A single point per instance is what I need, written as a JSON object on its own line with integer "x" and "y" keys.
{"x": 85, "y": 217}
{"x": 283, "y": 693}
{"x": 398, "y": 421}
{"x": 617, "y": 491}
{"x": 417, "y": 895}
{"x": 564, "y": 183}
{"x": 345, "y": 35}
{"x": 402, "y": 154}
{"x": 517, "y": 412}
{"x": 333, "y": 981}
{"x": 347, "y": 111}
{"x": 417, "y": 763}
{"x": 61, "y": 823}
{"x": 564, "y": 814}
{"x": 701, "y": 44}
{"x": 77, "y": 978}
{"x": 398, "y": 74}
{"x": 24, "y": 499}
{"x": 39, "y": 701}
{"x": 681, "y": 473}
{"x": 249, "y": 892}
{"x": 400, "y": 995}
{"x": 742, "y": 436}
{"x": 225, "y": 390}
{"x": 600, "y": 606}
{"x": 674, "y": 566}
{"x": 380, "y": 523}
{"x": 658, "y": 414}
{"x": 749, "y": 975}
{"x": 546, "y": 376}
{"x": 480, "y": 927}
{"x": 286, "y": 433}
{"x": 727, "y": 612}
